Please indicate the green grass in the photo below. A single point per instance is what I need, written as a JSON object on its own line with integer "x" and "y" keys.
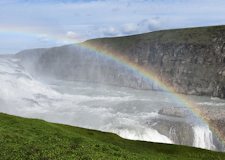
{"x": 22, "y": 138}
{"x": 198, "y": 35}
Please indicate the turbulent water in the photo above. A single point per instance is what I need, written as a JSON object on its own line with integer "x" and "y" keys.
{"x": 132, "y": 114}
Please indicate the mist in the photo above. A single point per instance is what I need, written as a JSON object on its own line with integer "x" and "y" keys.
{"x": 94, "y": 92}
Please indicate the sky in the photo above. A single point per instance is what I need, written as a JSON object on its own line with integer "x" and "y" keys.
{"x": 28, "y": 24}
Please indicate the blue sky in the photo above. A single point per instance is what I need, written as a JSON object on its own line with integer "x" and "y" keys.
{"x": 45, "y": 23}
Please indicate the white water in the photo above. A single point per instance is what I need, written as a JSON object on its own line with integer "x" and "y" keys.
{"x": 203, "y": 137}
{"x": 126, "y": 112}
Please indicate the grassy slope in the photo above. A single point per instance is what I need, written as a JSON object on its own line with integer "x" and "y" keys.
{"x": 22, "y": 138}
{"x": 198, "y": 35}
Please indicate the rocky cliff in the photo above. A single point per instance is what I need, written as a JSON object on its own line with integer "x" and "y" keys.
{"x": 191, "y": 60}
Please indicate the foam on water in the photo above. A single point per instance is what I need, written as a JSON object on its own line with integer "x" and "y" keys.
{"x": 129, "y": 128}
{"x": 119, "y": 110}
{"x": 203, "y": 137}
{"x": 147, "y": 134}
{"x": 211, "y": 103}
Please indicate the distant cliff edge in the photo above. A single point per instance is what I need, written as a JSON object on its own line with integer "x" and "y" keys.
{"x": 191, "y": 60}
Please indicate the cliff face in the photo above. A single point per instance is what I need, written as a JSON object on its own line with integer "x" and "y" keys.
{"x": 191, "y": 60}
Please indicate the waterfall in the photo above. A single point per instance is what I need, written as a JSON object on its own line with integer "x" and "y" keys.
{"x": 144, "y": 134}
{"x": 203, "y": 137}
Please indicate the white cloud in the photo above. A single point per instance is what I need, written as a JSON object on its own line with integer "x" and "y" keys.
{"x": 43, "y": 37}
{"x": 91, "y": 19}
{"x": 130, "y": 28}
{"x": 145, "y": 25}
{"x": 151, "y": 24}
{"x": 71, "y": 34}
{"x": 109, "y": 31}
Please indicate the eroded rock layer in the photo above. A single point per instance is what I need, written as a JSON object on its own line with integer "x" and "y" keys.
{"x": 191, "y": 60}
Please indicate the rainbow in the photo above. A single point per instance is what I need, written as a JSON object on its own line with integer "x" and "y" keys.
{"x": 125, "y": 61}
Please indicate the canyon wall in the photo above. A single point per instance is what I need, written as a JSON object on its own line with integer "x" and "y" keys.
{"x": 191, "y": 60}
